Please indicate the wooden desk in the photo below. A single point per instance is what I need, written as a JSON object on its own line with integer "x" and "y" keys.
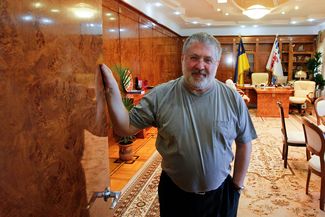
{"x": 267, "y": 98}
{"x": 136, "y": 99}
{"x": 251, "y": 93}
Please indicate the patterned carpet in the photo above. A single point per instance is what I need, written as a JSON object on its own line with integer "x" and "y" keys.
{"x": 270, "y": 190}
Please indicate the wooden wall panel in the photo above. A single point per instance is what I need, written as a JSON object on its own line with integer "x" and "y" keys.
{"x": 129, "y": 39}
{"x": 157, "y": 57}
{"x": 175, "y": 54}
{"x": 111, "y": 4}
{"x": 47, "y": 102}
{"x": 164, "y": 56}
{"x": 146, "y": 54}
{"x": 151, "y": 51}
{"x": 111, "y": 37}
{"x": 227, "y": 62}
{"x": 133, "y": 41}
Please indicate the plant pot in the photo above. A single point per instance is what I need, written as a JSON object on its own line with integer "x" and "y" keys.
{"x": 125, "y": 152}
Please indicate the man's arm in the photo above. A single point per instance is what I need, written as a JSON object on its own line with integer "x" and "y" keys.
{"x": 242, "y": 159}
{"x": 117, "y": 111}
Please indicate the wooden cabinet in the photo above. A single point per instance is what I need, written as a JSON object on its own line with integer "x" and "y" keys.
{"x": 295, "y": 51}
{"x": 284, "y": 54}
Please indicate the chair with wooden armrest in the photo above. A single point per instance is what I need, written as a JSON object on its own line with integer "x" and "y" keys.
{"x": 303, "y": 94}
{"x": 289, "y": 138}
{"x": 319, "y": 107}
{"x": 232, "y": 85}
{"x": 315, "y": 143}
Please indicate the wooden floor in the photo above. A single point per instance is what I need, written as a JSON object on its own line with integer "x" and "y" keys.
{"x": 122, "y": 172}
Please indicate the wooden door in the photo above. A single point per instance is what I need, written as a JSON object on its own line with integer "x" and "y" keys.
{"x": 96, "y": 169}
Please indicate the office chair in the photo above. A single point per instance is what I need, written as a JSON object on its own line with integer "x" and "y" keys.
{"x": 259, "y": 78}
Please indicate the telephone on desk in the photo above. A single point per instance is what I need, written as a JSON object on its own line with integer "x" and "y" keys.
{"x": 261, "y": 85}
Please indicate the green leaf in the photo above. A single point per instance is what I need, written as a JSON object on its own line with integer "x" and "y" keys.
{"x": 125, "y": 76}
{"x": 314, "y": 63}
{"x": 128, "y": 103}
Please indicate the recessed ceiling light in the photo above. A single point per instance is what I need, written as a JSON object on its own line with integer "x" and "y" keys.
{"x": 108, "y": 14}
{"x": 177, "y": 12}
{"x": 218, "y": 9}
{"x": 208, "y": 24}
{"x": 311, "y": 20}
{"x": 227, "y": 14}
{"x": 242, "y": 26}
{"x": 222, "y": 1}
{"x": 293, "y": 22}
{"x": 296, "y": 7}
{"x": 195, "y": 22}
{"x": 255, "y": 26}
{"x": 283, "y": 12}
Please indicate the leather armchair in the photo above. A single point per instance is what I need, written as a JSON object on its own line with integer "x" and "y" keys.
{"x": 303, "y": 93}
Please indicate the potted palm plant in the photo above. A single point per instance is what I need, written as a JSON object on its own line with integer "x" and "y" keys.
{"x": 313, "y": 65}
{"x": 125, "y": 83}
{"x": 125, "y": 78}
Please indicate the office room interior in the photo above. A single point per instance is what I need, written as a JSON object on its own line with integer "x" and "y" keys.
{"x": 59, "y": 153}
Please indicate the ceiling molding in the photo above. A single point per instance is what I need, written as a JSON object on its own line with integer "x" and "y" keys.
{"x": 208, "y": 18}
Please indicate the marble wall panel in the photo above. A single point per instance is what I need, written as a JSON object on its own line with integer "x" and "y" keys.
{"x": 48, "y": 59}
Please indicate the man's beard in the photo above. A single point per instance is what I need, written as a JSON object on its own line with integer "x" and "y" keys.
{"x": 202, "y": 83}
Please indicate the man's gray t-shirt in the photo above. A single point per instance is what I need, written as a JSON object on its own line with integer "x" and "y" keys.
{"x": 195, "y": 133}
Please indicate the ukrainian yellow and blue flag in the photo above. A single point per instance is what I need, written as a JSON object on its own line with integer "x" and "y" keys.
{"x": 242, "y": 64}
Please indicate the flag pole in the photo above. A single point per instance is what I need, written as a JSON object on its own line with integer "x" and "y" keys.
{"x": 242, "y": 63}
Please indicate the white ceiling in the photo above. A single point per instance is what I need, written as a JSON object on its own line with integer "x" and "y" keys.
{"x": 203, "y": 15}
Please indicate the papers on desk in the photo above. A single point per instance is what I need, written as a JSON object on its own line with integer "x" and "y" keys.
{"x": 135, "y": 92}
